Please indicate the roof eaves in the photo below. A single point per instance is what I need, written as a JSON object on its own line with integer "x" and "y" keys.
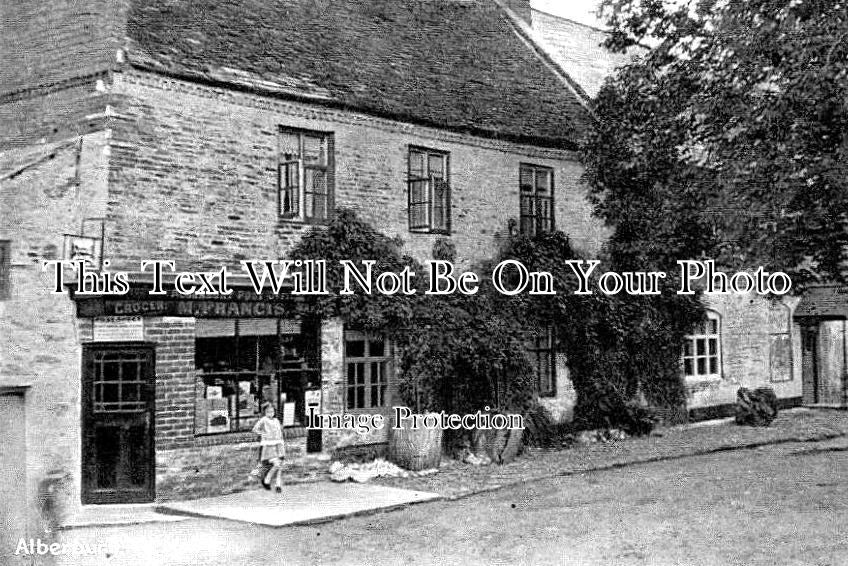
{"x": 260, "y": 89}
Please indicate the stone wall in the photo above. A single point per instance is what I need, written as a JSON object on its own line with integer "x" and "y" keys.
{"x": 39, "y": 347}
{"x": 194, "y": 174}
{"x": 747, "y": 323}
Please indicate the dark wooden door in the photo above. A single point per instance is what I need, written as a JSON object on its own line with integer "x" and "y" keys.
{"x": 118, "y": 426}
{"x": 809, "y": 364}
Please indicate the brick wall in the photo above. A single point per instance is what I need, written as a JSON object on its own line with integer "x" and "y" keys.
{"x": 194, "y": 177}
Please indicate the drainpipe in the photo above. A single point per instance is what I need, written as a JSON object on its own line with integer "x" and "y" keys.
{"x": 844, "y": 364}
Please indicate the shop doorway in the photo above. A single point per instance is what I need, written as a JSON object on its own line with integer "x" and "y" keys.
{"x": 118, "y": 424}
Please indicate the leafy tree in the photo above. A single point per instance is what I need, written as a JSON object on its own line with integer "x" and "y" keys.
{"x": 727, "y": 139}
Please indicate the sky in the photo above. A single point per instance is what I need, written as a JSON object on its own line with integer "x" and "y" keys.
{"x": 577, "y": 10}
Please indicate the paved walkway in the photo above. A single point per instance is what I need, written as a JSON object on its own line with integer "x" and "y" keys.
{"x": 110, "y": 515}
{"x": 300, "y": 504}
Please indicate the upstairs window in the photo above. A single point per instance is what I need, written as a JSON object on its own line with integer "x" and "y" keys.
{"x": 429, "y": 191}
{"x": 5, "y": 269}
{"x": 536, "y": 190}
{"x": 702, "y": 350}
{"x": 305, "y": 175}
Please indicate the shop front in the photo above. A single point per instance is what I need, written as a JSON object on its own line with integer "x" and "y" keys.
{"x": 172, "y": 387}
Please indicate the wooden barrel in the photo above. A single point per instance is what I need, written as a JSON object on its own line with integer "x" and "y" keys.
{"x": 416, "y": 449}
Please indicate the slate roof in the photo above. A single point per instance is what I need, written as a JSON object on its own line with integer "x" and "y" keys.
{"x": 826, "y": 301}
{"x": 455, "y": 64}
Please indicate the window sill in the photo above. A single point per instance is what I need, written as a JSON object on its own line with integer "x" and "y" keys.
{"x": 304, "y": 221}
{"x": 693, "y": 380}
{"x": 430, "y": 231}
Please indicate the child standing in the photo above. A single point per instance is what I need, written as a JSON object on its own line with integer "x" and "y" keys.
{"x": 272, "y": 447}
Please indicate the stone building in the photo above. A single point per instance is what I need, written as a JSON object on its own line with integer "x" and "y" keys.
{"x": 748, "y": 341}
{"x": 154, "y": 129}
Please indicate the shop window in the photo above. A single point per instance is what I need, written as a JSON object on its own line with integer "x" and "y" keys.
{"x": 541, "y": 349}
{"x": 244, "y": 363}
{"x": 429, "y": 191}
{"x": 5, "y": 269}
{"x": 368, "y": 364}
{"x": 305, "y": 175}
{"x": 536, "y": 193}
{"x": 702, "y": 350}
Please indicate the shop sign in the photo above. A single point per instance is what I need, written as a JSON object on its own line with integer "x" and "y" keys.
{"x": 118, "y": 329}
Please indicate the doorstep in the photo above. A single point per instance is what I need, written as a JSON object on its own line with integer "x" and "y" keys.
{"x": 117, "y": 515}
{"x": 300, "y": 504}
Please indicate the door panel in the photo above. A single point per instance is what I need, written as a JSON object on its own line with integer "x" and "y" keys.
{"x": 118, "y": 397}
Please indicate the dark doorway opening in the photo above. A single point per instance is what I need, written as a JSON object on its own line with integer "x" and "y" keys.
{"x": 118, "y": 464}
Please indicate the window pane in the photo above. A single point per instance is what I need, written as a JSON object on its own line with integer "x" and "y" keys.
{"x": 360, "y": 397}
{"x": 702, "y": 366}
{"x": 713, "y": 346}
{"x": 525, "y": 179}
{"x": 316, "y": 193}
{"x": 416, "y": 164}
{"x": 712, "y": 326}
{"x": 289, "y": 189}
{"x": 714, "y": 365}
{"x": 543, "y": 180}
{"x": 687, "y": 366}
{"x": 687, "y": 348}
{"x": 315, "y": 150}
{"x": 110, "y": 392}
{"x": 289, "y": 146}
{"x": 701, "y": 346}
{"x": 440, "y": 205}
{"x": 375, "y": 396}
{"x": 355, "y": 349}
{"x": 376, "y": 347}
{"x": 436, "y": 164}
{"x": 351, "y": 374}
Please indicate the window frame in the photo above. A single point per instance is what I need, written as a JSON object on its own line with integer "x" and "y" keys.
{"x": 539, "y": 344}
{"x": 368, "y": 384}
{"x": 692, "y": 341}
{"x": 328, "y": 169}
{"x": 536, "y": 199}
{"x": 277, "y": 377}
{"x": 784, "y": 333}
{"x": 430, "y": 184}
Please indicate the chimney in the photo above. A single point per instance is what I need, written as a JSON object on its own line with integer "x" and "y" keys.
{"x": 520, "y": 8}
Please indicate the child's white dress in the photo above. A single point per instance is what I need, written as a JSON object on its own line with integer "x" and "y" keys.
{"x": 271, "y": 432}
